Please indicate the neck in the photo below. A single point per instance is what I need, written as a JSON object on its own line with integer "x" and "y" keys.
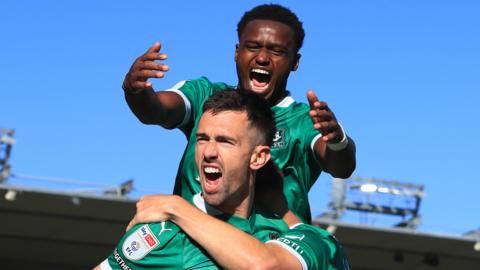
{"x": 291, "y": 219}
{"x": 242, "y": 210}
{"x": 276, "y": 97}
{"x": 240, "y": 204}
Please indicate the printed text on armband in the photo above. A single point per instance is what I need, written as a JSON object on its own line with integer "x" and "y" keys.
{"x": 292, "y": 244}
{"x": 120, "y": 261}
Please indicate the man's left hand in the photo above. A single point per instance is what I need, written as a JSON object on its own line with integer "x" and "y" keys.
{"x": 324, "y": 119}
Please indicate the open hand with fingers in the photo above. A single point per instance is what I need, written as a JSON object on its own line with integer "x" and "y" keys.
{"x": 324, "y": 119}
{"x": 144, "y": 68}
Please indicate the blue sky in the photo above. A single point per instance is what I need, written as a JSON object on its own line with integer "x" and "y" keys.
{"x": 401, "y": 76}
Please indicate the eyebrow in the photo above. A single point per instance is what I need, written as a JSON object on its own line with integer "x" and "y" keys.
{"x": 225, "y": 138}
{"x": 201, "y": 134}
{"x": 217, "y": 138}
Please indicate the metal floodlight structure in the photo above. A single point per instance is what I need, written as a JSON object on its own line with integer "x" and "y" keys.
{"x": 122, "y": 190}
{"x": 371, "y": 195}
{"x": 6, "y": 142}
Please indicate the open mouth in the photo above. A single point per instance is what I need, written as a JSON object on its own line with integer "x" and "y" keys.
{"x": 259, "y": 78}
{"x": 212, "y": 178}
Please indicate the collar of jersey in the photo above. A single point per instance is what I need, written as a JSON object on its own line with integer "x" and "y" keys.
{"x": 246, "y": 225}
{"x": 201, "y": 204}
{"x": 285, "y": 102}
{"x": 284, "y": 106}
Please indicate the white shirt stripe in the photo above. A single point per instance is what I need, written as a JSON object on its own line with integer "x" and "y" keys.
{"x": 188, "y": 106}
{"x": 105, "y": 266}
{"x": 287, "y": 101}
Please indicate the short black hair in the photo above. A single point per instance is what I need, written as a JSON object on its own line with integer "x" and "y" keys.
{"x": 257, "y": 108}
{"x": 274, "y": 12}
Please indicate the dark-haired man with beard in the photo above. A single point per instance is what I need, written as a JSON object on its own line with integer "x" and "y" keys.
{"x": 231, "y": 154}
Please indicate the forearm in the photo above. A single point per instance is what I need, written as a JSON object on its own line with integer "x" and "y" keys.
{"x": 160, "y": 108}
{"x": 144, "y": 105}
{"x": 229, "y": 246}
{"x": 339, "y": 163}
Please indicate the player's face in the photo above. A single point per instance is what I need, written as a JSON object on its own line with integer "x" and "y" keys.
{"x": 223, "y": 155}
{"x": 264, "y": 56}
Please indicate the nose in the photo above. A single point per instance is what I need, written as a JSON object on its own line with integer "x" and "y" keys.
{"x": 210, "y": 152}
{"x": 263, "y": 57}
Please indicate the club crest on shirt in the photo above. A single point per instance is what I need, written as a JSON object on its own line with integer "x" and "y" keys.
{"x": 139, "y": 243}
{"x": 279, "y": 139}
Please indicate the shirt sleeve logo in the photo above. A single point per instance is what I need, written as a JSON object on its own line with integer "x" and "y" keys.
{"x": 164, "y": 228}
{"x": 139, "y": 243}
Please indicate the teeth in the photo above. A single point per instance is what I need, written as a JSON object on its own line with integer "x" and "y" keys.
{"x": 211, "y": 170}
{"x": 261, "y": 71}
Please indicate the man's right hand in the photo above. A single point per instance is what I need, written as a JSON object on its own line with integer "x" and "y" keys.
{"x": 144, "y": 68}
{"x": 156, "y": 208}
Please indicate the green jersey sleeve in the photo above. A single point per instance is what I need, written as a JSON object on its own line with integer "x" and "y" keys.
{"x": 194, "y": 93}
{"x": 147, "y": 246}
{"x": 313, "y": 247}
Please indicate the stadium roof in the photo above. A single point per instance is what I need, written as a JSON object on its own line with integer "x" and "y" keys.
{"x": 46, "y": 229}
{"x": 370, "y": 247}
{"x": 57, "y": 230}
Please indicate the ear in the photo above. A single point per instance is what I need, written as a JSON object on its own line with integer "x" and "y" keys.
{"x": 236, "y": 52}
{"x": 260, "y": 157}
{"x": 296, "y": 62}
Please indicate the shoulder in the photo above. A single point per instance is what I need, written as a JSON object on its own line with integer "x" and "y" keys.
{"x": 289, "y": 110}
{"x": 162, "y": 241}
{"x": 267, "y": 225}
{"x": 195, "y": 92}
{"x": 301, "y": 110}
{"x": 314, "y": 247}
{"x": 313, "y": 236}
{"x": 200, "y": 83}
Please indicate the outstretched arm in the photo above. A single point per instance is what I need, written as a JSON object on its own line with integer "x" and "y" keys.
{"x": 163, "y": 108}
{"x": 243, "y": 252}
{"x": 334, "y": 149}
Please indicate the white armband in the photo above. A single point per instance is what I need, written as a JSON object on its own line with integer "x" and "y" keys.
{"x": 342, "y": 144}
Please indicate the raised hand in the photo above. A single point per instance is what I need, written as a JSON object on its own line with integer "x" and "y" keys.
{"x": 324, "y": 119}
{"x": 144, "y": 68}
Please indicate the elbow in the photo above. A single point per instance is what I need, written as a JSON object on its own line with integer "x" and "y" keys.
{"x": 155, "y": 121}
{"x": 350, "y": 168}
{"x": 342, "y": 175}
{"x": 145, "y": 120}
{"x": 165, "y": 123}
{"x": 144, "y": 117}
{"x": 344, "y": 168}
{"x": 346, "y": 171}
